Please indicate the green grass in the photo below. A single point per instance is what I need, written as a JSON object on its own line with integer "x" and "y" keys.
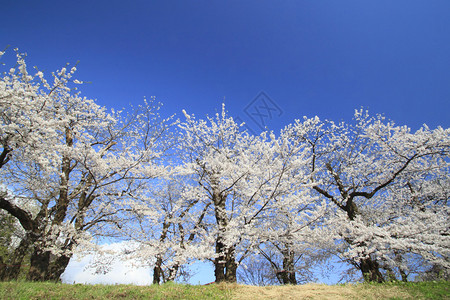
{"x": 427, "y": 289}
{"x": 46, "y": 290}
{"x": 395, "y": 290}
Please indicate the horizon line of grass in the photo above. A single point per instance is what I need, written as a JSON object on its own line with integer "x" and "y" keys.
{"x": 390, "y": 290}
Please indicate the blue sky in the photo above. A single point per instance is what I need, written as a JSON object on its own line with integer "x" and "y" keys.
{"x": 310, "y": 58}
{"x": 322, "y": 58}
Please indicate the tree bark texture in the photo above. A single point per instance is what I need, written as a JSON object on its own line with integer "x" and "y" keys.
{"x": 57, "y": 267}
{"x": 371, "y": 270}
{"x": 39, "y": 263}
{"x": 225, "y": 266}
{"x": 157, "y": 271}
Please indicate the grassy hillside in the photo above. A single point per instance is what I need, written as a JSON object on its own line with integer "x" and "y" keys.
{"x": 28, "y": 290}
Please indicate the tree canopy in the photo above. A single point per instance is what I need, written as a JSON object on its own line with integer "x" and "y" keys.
{"x": 368, "y": 192}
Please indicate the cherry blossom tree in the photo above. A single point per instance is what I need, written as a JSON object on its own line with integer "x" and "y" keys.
{"x": 66, "y": 162}
{"x": 165, "y": 225}
{"x": 71, "y": 171}
{"x": 294, "y": 241}
{"x": 27, "y": 125}
{"x": 245, "y": 179}
{"x": 374, "y": 173}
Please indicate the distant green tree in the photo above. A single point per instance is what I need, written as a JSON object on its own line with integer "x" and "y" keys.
{"x": 6, "y": 233}
{"x": 10, "y": 240}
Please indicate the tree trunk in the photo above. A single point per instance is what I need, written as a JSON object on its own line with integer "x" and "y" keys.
{"x": 288, "y": 266}
{"x": 231, "y": 266}
{"x": 287, "y": 275}
{"x": 219, "y": 261}
{"x": 157, "y": 271}
{"x": 370, "y": 270}
{"x": 2, "y": 268}
{"x": 292, "y": 278}
{"x": 58, "y": 267}
{"x": 224, "y": 264}
{"x": 39, "y": 265}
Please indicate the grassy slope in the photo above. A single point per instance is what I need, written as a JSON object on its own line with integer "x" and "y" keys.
{"x": 27, "y": 290}
{"x": 424, "y": 290}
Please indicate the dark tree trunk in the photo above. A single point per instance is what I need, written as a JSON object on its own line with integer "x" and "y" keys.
{"x": 287, "y": 275}
{"x": 371, "y": 270}
{"x": 231, "y": 266}
{"x": 2, "y": 268}
{"x": 39, "y": 265}
{"x": 157, "y": 271}
{"x": 219, "y": 270}
{"x": 58, "y": 267}
{"x": 283, "y": 277}
{"x": 225, "y": 266}
{"x": 288, "y": 266}
{"x": 58, "y": 264}
{"x": 225, "y": 263}
{"x": 292, "y": 278}
{"x": 219, "y": 261}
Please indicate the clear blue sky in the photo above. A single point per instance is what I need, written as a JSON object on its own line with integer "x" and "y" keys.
{"x": 322, "y": 58}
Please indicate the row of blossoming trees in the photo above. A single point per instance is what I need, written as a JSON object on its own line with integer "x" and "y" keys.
{"x": 370, "y": 193}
